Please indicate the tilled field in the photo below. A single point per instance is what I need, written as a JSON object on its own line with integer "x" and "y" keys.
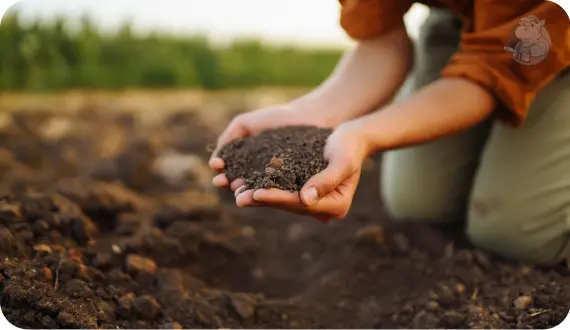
{"x": 108, "y": 223}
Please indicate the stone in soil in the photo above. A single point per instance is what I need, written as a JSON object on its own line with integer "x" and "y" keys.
{"x": 135, "y": 263}
{"x": 284, "y": 158}
{"x": 146, "y": 307}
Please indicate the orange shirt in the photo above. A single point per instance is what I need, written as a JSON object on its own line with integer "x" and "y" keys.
{"x": 511, "y": 48}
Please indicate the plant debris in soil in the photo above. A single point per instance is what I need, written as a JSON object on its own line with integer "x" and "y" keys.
{"x": 284, "y": 158}
{"x": 76, "y": 252}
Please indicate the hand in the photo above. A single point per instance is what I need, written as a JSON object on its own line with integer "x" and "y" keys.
{"x": 327, "y": 195}
{"x": 253, "y": 122}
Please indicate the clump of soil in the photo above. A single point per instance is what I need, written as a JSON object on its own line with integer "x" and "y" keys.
{"x": 284, "y": 158}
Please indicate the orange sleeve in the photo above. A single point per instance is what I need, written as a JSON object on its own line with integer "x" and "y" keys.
{"x": 488, "y": 52}
{"x": 368, "y": 18}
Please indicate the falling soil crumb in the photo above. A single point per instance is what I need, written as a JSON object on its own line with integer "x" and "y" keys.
{"x": 284, "y": 158}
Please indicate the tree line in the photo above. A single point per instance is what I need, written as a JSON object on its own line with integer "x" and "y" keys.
{"x": 47, "y": 56}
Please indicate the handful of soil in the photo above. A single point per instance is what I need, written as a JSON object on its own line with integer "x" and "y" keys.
{"x": 284, "y": 158}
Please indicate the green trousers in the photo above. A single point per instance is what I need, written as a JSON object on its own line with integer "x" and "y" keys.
{"x": 511, "y": 184}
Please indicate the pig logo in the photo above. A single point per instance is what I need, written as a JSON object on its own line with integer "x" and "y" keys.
{"x": 531, "y": 41}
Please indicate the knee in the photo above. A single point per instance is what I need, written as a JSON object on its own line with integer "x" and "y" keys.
{"x": 527, "y": 239}
{"x": 409, "y": 202}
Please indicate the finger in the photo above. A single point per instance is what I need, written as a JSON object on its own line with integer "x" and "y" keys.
{"x": 239, "y": 190}
{"x": 277, "y": 197}
{"x": 245, "y": 199}
{"x": 217, "y": 164}
{"x": 234, "y": 131}
{"x": 220, "y": 181}
{"x": 237, "y": 183}
{"x": 326, "y": 181}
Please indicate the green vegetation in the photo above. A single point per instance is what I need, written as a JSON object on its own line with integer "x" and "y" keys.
{"x": 46, "y": 57}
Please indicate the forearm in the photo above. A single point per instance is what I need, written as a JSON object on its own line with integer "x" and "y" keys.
{"x": 365, "y": 78}
{"x": 442, "y": 108}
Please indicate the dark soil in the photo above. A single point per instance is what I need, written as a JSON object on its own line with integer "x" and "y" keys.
{"x": 284, "y": 158}
{"x": 76, "y": 252}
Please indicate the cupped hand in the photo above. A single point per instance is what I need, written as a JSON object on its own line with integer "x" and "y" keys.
{"x": 253, "y": 122}
{"x": 327, "y": 195}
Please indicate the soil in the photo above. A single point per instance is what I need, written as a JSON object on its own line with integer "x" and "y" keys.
{"x": 283, "y": 158}
{"x": 130, "y": 249}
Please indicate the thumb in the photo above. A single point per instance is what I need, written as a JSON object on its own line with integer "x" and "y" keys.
{"x": 325, "y": 182}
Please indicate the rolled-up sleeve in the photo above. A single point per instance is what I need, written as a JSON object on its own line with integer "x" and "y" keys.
{"x": 369, "y": 18}
{"x": 487, "y": 53}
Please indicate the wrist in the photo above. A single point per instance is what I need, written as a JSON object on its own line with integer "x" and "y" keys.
{"x": 320, "y": 112}
{"x": 356, "y": 130}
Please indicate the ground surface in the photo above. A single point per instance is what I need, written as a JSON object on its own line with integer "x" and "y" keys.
{"x": 106, "y": 222}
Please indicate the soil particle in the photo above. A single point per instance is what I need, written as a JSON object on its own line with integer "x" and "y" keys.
{"x": 453, "y": 319}
{"x": 284, "y": 158}
{"x": 459, "y": 288}
{"x": 138, "y": 264}
{"x": 402, "y": 242}
{"x": 172, "y": 325}
{"x": 9, "y": 211}
{"x": 124, "y": 305}
{"x": 49, "y": 323}
{"x": 47, "y": 274}
{"x": 243, "y": 305}
{"x": 432, "y": 306}
{"x": 10, "y": 245}
{"x": 103, "y": 260}
{"x": 425, "y": 320}
{"x": 373, "y": 234}
{"x": 84, "y": 230}
{"x": 67, "y": 319}
{"x": 522, "y": 302}
{"x": 446, "y": 296}
{"x": 482, "y": 259}
{"x": 40, "y": 227}
{"x": 464, "y": 257}
{"x": 146, "y": 307}
{"x": 78, "y": 289}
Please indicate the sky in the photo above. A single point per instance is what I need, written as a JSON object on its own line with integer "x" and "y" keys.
{"x": 306, "y": 22}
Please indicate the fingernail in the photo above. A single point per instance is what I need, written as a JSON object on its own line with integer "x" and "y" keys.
{"x": 311, "y": 196}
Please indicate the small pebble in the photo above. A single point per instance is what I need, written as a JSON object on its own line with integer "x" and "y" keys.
{"x": 47, "y": 274}
{"x": 522, "y": 302}
{"x": 459, "y": 288}
{"x": 40, "y": 226}
{"x": 373, "y": 234}
{"x": 43, "y": 248}
{"x": 102, "y": 260}
{"x": 116, "y": 249}
{"x": 49, "y": 323}
{"x": 124, "y": 303}
{"x": 465, "y": 257}
{"x": 453, "y": 319}
{"x": 446, "y": 295}
{"x": 432, "y": 305}
{"x": 425, "y": 320}
{"x": 146, "y": 307}
{"x": 243, "y": 304}
{"x": 139, "y": 264}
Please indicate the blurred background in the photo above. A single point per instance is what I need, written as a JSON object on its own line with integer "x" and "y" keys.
{"x": 135, "y": 90}
{"x": 210, "y": 45}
